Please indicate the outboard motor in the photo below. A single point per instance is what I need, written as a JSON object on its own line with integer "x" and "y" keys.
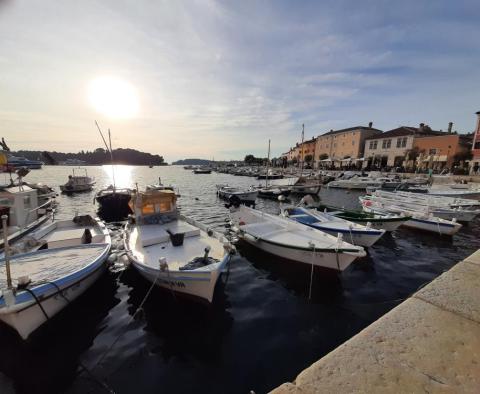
{"x": 233, "y": 201}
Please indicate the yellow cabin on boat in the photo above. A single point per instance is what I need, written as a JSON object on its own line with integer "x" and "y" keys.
{"x": 154, "y": 203}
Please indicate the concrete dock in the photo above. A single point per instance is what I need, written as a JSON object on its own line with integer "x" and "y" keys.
{"x": 428, "y": 344}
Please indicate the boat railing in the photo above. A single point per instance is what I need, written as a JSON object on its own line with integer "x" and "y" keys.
{"x": 36, "y": 209}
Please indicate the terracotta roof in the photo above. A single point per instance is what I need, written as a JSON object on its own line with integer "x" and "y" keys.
{"x": 406, "y": 130}
{"x": 350, "y": 129}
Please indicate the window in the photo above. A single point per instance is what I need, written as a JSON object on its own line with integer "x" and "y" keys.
{"x": 335, "y": 145}
{"x": 375, "y": 144}
{"x": 477, "y": 145}
{"x": 386, "y": 144}
{"x": 404, "y": 142}
{"x": 399, "y": 142}
{"x": 389, "y": 143}
{"x": 353, "y": 142}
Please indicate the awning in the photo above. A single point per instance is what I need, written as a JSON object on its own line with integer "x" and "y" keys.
{"x": 326, "y": 160}
{"x": 346, "y": 160}
{"x": 361, "y": 159}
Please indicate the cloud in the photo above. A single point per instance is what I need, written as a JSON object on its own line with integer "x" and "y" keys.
{"x": 220, "y": 79}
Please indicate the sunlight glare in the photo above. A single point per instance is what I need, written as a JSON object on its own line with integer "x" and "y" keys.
{"x": 113, "y": 97}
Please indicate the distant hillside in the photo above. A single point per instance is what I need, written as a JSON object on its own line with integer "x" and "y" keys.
{"x": 193, "y": 162}
{"x": 98, "y": 157}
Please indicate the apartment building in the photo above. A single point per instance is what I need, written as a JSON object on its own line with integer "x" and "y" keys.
{"x": 390, "y": 148}
{"x": 344, "y": 143}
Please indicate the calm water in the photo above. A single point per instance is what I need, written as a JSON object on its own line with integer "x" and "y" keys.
{"x": 261, "y": 329}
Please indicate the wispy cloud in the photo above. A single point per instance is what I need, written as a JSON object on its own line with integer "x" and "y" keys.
{"x": 221, "y": 78}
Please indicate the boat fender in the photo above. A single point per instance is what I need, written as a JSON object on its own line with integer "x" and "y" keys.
{"x": 163, "y": 263}
{"x": 209, "y": 232}
{"x": 369, "y": 225}
{"x": 454, "y": 220}
{"x": 23, "y": 281}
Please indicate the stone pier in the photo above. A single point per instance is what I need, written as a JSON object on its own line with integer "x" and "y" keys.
{"x": 428, "y": 344}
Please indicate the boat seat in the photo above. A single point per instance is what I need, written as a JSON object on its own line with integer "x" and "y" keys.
{"x": 183, "y": 227}
{"x": 152, "y": 234}
{"x": 70, "y": 237}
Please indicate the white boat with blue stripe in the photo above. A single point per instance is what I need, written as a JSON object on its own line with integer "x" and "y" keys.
{"x": 172, "y": 251}
{"x": 354, "y": 233}
{"x": 43, "y": 272}
{"x": 293, "y": 241}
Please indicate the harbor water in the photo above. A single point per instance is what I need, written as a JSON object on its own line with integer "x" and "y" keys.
{"x": 261, "y": 330}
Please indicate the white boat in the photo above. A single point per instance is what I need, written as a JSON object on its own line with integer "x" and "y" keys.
{"x": 78, "y": 183}
{"x": 361, "y": 183}
{"x": 172, "y": 251}
{"x": 293, "y": 241}
{"x": 248, "y": 195}
{"x": 354, "y": 233}
{"x": 49, "y": 269}
{"x": 25, "y": 213}
{"x": 419, "y": 219}
{"x": 441, "y": 207}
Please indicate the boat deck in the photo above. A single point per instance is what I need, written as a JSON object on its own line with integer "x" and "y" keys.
{"x": 149, "y": 243}
{"x": 49, "y": 265}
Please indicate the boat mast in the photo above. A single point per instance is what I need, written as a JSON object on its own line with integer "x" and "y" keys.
{"x": 268, "y": 161}
{"x": 111, "y": 160}
{"x": 303, "y": 136}
{"x": 109, "y": 150}
{"x": 6, "y": 251}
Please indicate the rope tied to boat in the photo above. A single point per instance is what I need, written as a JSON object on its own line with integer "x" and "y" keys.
{"x": 312, "y": 245}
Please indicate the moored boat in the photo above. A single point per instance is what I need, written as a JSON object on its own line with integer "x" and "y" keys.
{"x": 354, "y": 233}
{"x": 56, "y": 264}
{"x": 293, "y": 241}
{"x": 174, "y": 252}
{"x": 419, "y": 220}
{"x": 247, "y": 195}
{"x": 78, "y": 183}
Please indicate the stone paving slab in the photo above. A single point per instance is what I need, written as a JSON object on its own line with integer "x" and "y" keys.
{"x": 457, "y": 290}
{"x": 429, "y": 343}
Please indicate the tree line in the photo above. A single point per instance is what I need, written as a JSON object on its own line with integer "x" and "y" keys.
{"x": 97, "y": 157}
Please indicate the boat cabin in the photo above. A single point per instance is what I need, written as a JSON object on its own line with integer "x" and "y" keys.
{"x": 154, "y": 206}
{"x": 19, "y": 203}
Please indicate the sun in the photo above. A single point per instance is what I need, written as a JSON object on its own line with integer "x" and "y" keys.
{"x": 113, "y": 97}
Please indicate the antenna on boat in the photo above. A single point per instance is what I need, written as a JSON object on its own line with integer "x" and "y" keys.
{"x": 268, "y": 162}
{"x": 303, "y": 136}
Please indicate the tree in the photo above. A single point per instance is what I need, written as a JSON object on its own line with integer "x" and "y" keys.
{"x": 462, "y": 156}
{"x": 308, "y": 158}
{"x": 323, "y": 156}
{"x": 249, "y": 159}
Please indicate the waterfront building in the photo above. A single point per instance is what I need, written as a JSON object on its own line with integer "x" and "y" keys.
{"x": 391, "y": 148}
{"x": 441, "y": 151}
{"x": 344, "y": 143}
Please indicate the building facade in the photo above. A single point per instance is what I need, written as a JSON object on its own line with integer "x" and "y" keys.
{"x": 344, "y": 143}
{"x": 391, "y": 148}
{"x": 438, "y": 152}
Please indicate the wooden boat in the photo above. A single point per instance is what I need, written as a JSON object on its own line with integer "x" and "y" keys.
{"x": 419, "y": 220}
{"x": 293, "y": 241}
{"x": 113, "y": 202}
{"x": 56, "y": 264}
{"x": 172, "y": 251}
{"x": 78, "y": 183}
{"x": 355, "y": 233}
{"x": 244, "y": 195}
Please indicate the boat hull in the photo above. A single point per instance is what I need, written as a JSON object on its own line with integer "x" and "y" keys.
{"x": 199, "y": 284}
{"x": 330, "y": 260}
{"x": 76, "y": 189}
{"x": 28, "y": 319}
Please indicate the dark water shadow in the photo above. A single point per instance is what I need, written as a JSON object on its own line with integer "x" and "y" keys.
{"x": 48, "y": 361}
{"x": 294, "y": 276}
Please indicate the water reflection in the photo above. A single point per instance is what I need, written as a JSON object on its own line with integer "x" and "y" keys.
{"x": 120, "y": 175}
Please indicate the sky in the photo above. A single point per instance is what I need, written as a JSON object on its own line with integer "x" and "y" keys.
{"x": 220, "y": 78}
